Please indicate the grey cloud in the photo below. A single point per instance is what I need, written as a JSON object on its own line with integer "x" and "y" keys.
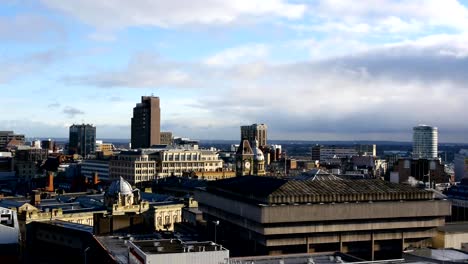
{"x": 71, "y": 111}
{"x": 381, "y": 92}
{"x": 30, "y": 27}
{"x": 15, "y": 67}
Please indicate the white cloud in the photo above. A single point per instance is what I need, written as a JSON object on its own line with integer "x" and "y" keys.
{"x": 162, "y": 13}
{"x": 242, "y": 54}
{"x": 450, "y": 13}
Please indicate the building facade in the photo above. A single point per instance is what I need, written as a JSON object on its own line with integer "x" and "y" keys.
{"x": 425, "y": 142}
{"x": 82, "y": 140}
{"x": 255, "y": 132}
{"x": 461, "y": 164}
{"x": 166, "y": 138}
{"x": 326, "y": 154}
{"x": 7, "y": 136}
{"x": 371, "y": 219}
{"x": 146, "y": 123}
{"x": 176, "y": 162}
{"x": 90, "y": 167}
{"x": 133, "y": 166}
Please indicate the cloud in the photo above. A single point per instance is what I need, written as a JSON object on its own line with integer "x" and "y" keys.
{"x": 450, "y": 13}
{"x": 16, "y": 67}
{"x": 30, "y": 27}
{"x": 161, "y": 13}
{"x": 143, "y": 70}
{"x": 241, "y": 54}
{"x": 377, "y": 92}
{"x": 72, "y": 112}
{"x": 54, "y": 105}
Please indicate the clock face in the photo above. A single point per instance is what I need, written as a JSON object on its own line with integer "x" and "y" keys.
{"x": 247, "y": 164}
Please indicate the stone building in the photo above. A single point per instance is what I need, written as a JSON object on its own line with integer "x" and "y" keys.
{"x": 249, "y": 160}
{"x": 372, "y": 219}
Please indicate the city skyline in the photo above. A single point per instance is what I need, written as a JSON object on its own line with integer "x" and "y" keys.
{"x": 310, "y": 70}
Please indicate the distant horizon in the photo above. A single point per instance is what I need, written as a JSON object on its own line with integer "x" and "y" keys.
{"x": 123, "y": 140}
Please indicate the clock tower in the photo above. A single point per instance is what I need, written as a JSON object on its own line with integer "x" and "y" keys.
{"x": 244, "y": 159}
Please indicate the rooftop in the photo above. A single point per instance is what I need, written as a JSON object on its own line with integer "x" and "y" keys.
{"x": 171, "y": 246}
{"x": 452, "y": 255}
{"x": 317, "y": 258}
{"x": 267, "y": 190}
{"x": 458, "y": 227}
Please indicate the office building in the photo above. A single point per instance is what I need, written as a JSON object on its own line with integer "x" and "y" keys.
{"x": 146, "y": 123}
{"x": 425, "y": 140}
{"x": 133, "y": 166}
{"x": 166, "y": 138}
{"x": 82, "y": 140}
{"x": 326, "y": 154}
{"x": 90, "y": 167}
{"x": 48, "y": 144}
{"x": 371, "y": 219}
{"x": 255, "y": 131}
{"x": 28, "y": 161}
{"x": 9, "y": 137}
{"x": 461, "y": 164}
{"x": 176, "y": 162}
{"x": 420, "y": 170}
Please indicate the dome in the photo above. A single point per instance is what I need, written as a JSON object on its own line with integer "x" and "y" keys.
{"x": 258, "y": 153}
{"x": 120, "y": 186}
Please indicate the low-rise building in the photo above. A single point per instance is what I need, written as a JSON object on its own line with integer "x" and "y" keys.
{"x": 176, "y": 251}
{"x": 326, "y": 154}
{"x": 6, "y": 137}
{"x": 176, "y": 162}
{"x": 90, "y": 167}
{"x": 166, "y": 138}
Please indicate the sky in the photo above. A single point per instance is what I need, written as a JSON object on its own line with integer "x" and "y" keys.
{"x": 310, "y": 70}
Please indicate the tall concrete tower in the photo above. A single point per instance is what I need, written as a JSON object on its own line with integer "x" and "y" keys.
{"x": 255, "y": 132}
{"x": 146, "y": 123}
{"x": 425, "y": 142}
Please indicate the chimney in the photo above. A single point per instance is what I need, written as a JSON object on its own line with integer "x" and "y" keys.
{"x": 50, "y": 182}
{"x": 95, "y": 178}
{"x": 36, "y": 198}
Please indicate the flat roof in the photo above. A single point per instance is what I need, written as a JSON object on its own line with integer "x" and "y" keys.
{"x": 171, "y": 246}
{"x": 69, "y": 225}
{"x": 439, "y": 254}
{"x": 460, "y": 227}
{"x": 268, "y": 190}
{"x": 317, "y": 258}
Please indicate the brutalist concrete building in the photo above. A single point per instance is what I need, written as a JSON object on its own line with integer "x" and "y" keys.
{"x": 371, "y": 219}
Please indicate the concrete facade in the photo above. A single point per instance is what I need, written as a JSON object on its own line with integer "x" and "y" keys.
{"x": 255, "y": 132}
{"x": 299, "y": 217}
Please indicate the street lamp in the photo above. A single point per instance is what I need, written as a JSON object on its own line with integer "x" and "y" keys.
{"x": 86, "y": 255}
{"x": 216, "y": 223}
